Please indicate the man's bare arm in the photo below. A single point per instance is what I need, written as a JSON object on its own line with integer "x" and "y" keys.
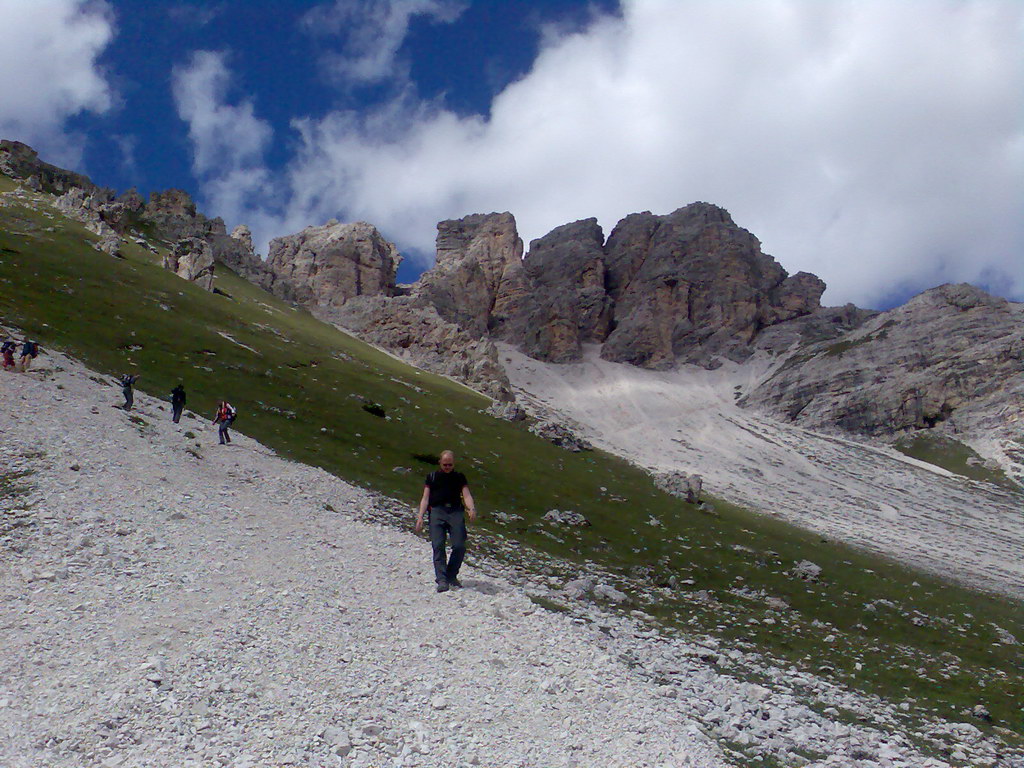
{"x": 423, "y": 509}
{"x": 467, "y": 498}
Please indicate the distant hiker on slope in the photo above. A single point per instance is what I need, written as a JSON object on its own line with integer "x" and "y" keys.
{"x": 446, "y": 494}
{"x": 7, "y": 350}
{"x": 29, "y": 352}
{"x": 177, "y": 402}
{"x": 127, "y": 381}
{"x": 225, "y": 417}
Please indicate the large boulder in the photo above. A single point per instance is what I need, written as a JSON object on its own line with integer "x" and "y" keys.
{"x": 328, "y": 265}
{"x": 191, "y": 258}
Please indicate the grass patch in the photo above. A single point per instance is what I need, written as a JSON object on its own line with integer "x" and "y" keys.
{"x": 13, "y": 488}
{"x": 300, "y": 386}
{"x": 951, "y": 455}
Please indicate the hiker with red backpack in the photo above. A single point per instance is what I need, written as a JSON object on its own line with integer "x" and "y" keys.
{"x": 7, "y": 350}
{"x": 225, "y": 417}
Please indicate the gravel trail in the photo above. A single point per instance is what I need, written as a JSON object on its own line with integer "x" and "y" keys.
{"x": 166, "y": 601}
{"x": 169, "y": 610}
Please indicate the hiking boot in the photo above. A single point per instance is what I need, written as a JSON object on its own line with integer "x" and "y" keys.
{"x": 442, "y": 586}
{"x": 454, "y": 583}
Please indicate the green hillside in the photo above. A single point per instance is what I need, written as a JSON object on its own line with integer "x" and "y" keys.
{"x": 319, "y": 396}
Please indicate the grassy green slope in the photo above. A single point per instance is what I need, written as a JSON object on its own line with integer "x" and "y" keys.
{"x": 301, "y": 385}
{"x": 953, "y": 455}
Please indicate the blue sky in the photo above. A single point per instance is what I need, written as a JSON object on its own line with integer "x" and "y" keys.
{"x": 877, "y": 144}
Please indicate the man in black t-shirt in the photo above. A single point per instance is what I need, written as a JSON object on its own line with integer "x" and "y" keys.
{"x": 446, "y": 494}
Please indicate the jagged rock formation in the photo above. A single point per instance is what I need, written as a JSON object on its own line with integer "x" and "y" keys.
{"x": 170, "y": 216}
{"x": 692, "y": 286}
{"x": 326, "y": 266}
{"x": 174, "y": 214}
{"x": 567, "y": 273}
{"x": 477, "y": 281}
{"x": 951, "y": 357}
{"x": 191, "y": 258}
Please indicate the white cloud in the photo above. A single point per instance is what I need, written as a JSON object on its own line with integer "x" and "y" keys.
{"x": 48, "y": 60}
{"x": 372, "y": 32}
{"x": 877, "y": 144}
{"x": 228, "y": 141}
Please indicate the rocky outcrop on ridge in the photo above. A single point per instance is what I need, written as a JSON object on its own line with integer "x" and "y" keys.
{"x": 170, "y": 216}
{"x": 323, "y": 267}
{"x": 690, "y": 286}
{"x": 173, "y": 213}
{"x": 173, "y": 216}
{"x": 951, "y": 357}
{"x": 191, "y": 258}
{"x": 20, "y": 161}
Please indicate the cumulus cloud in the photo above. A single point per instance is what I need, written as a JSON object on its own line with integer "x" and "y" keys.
{"x": 228, "y": 140}
{"x": 371, "y": 34}
{"x": 50, "y": 71}
{"x": 877, "y": 144}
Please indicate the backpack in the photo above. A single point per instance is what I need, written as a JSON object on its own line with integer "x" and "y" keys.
{"x": 230, "y": 411}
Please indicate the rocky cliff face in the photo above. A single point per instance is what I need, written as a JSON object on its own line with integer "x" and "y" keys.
{"x": 692, "y": 286}
{"x": 951, "y": 358}
{"x": 687, "y": 287}
{"x": 569, "y": 303}
{"x": 477, "y": 281}
{"x": 328, "y": 265}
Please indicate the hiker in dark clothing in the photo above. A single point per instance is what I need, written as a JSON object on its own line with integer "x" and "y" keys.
{"x": 177, "y": 402}
{"x": 127, "y": 381}
{"x": 446, "y": 494}
{"x": 29, "y": 352}
{"x": 225, "y": 417}
{"x": 7, "y": 350}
